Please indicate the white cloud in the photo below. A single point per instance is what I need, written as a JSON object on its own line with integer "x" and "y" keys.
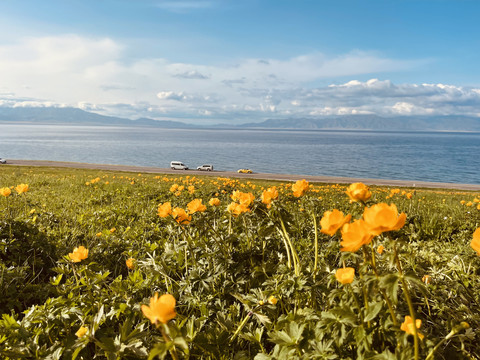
{"x": 93, "y": 74}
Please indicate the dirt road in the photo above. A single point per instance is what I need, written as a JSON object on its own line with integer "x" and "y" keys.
{"x": 263, "y": 176}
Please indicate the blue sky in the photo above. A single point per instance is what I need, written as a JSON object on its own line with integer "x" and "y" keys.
{"x": 209, "y": 61}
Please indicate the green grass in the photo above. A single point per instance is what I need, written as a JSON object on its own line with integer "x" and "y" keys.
{"x": 222, "y": 269}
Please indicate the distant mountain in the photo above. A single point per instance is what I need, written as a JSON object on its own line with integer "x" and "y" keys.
{"x": 74, "y": 116}
{"x": 374, "y": 122}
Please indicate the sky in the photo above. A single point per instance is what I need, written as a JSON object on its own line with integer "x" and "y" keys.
{"x": 231, "y": 61}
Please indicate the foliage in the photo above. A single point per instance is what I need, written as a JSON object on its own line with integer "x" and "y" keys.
{"x": 252, "y": 280}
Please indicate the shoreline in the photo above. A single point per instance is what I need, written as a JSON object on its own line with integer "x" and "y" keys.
{"x": 234, "y": 174}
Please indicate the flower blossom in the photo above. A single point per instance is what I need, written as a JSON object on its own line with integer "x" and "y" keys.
{"x": 161, "y": 309}
{"x": 475, "y": 244}
{"x": 164, "y": 210}
{"x": 300, "y": 188}
{"x": 332, "y": 221}
{"x": 79, "y": 253}
{"x": 22, "y": 188}
{"x": 345, "y": 275}
{"x": 354, "y": 235}
{"x": 5, "y": 191}
{"x": 358, "y": 192}
{"x": 196, "y": 206}
{"x": 181, "y": 216}
{"x": 407, "y": 326}
{"x": 382, "y": 217}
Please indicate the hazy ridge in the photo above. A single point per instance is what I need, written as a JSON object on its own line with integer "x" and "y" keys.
{"x": 74, "y": 116}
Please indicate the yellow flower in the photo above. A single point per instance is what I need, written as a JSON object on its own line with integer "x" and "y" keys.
{"x": 22, "y": 188}
{"x": 427, "y": 279}
{"x": 300, "y": 188}
{"x": 237, "y": 209}
{"x": 243, "y": 198}
{"x": 408, "y": 195}
{"x": 130, "y": 263}
{"x": 196, "y": 205}
{"x": 81, "y": 332}
{"x": 165, "y": 209}
{"x": 469, "y": 203}
{"x": 5, "y": 191}
{"x": 345, "y": 275}
{"x": 161, "y": 309}
{"x": 269, "y": 195}
{"x": 380, "y": 249}
{"x": 181, "y": 216}
{"x": 354, "y": 235}
{"x": 407, "y": 326}
{"x": 214, "y": 202}
{"x": 112, "y": 230}
{"x": 475, "y": 244}
{"x": 332, "y": 221}
{"x": 99, "y": 234}
{"x": 358, "y": 192}
{"x": 79, "y": 253}
{"x": 382, "y": 217}
{"x": 272, "y": 300}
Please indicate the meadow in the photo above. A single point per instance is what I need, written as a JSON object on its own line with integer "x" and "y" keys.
{"x": 112, "y": 265}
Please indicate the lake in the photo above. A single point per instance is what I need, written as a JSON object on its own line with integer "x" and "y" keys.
{"x": 422, "y": 156}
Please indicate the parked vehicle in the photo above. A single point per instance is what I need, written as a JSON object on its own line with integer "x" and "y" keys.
{"x": 244, "y": 171}
{"x": 3, "y": 161}
{"x": 178, "y": 165}
{"x": 206, "y": 167}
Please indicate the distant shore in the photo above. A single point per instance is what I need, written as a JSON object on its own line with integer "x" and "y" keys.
{"x": 260, "y": 176}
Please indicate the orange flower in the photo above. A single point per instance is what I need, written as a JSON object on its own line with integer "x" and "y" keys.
{"x": 380, "y": 249}
{"x": 300, "y": 188}
{"x": 332, "y": 221}
{"x": 345, "y": 275}
{"x": 237, "y": 209}
{"x": 381, "y": 218}
{"x": 81, "y": 332}
{"x": 272, "y": 300}
{"x": 130, "y": 263}
{"x": 355, "y": 235}
{"x": 164, "y": 210}
{"x": 243, "y": 198}
{"x": 407, "y": 326}
{"x": 196, "y": 205}
{"x": 22, "y": 188}
{"x": 358, "y": 192}
{"x": 161, "y": 309}
{"x": 79, "y": 253}
{"x": 475, "y": 244}
{"x": 427, "y": 279}
{"x": 5, "y": 191}
{"x": 181, "y": 216}
{"x": 214, "y": 202}
{"x": 269, "y": 195}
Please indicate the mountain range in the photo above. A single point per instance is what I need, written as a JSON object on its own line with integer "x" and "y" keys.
{"x": 75, "y": 116}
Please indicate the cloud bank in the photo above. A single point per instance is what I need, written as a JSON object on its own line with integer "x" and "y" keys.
{"x": 94, "y": 74}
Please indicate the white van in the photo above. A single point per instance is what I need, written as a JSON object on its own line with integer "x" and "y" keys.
{"x": 178, "y": 165}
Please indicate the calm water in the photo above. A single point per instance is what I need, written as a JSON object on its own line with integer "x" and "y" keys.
{"x": 439, "y": 157}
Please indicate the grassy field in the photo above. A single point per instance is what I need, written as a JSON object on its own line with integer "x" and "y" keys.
{"x": 106, "y": 265}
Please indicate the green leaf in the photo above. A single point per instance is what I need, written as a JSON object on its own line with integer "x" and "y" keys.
{"x": 373, "y": 310}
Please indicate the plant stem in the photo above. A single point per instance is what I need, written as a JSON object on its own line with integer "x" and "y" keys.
{"x": 316, "y": 247}
{"x": 409, "y": 301}
{"x": 173, "y": 351}
{"x": 384, "y": 294}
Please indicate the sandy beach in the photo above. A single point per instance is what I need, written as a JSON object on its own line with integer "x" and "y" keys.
{"x": 263, "y": 176}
